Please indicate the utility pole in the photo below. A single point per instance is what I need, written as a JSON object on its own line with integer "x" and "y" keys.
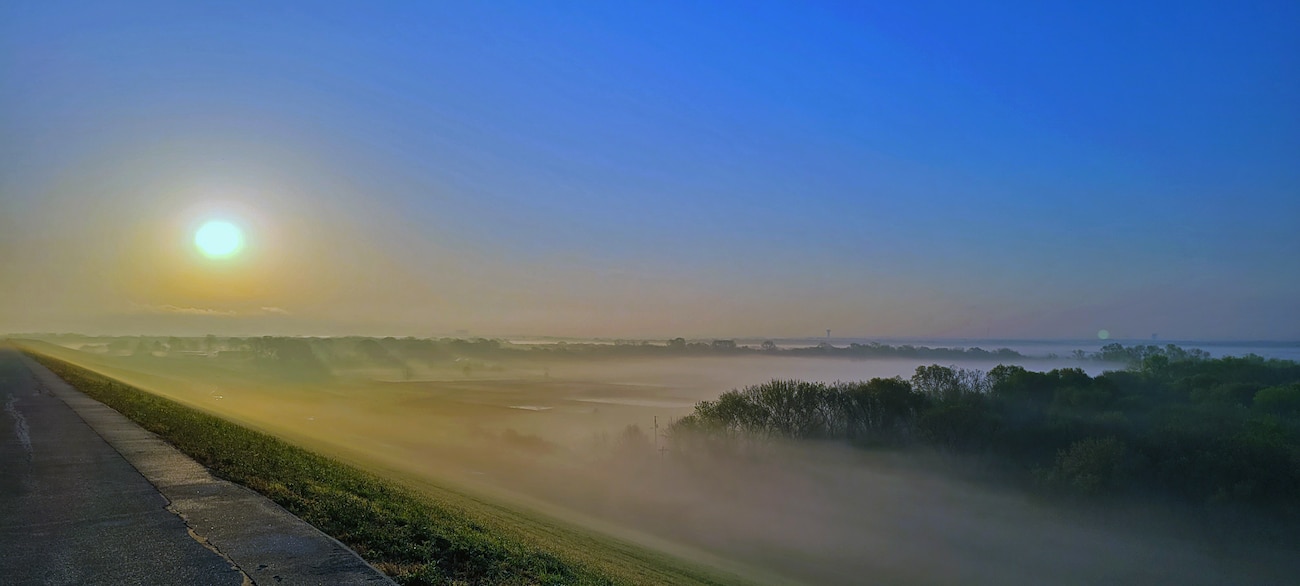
{"x": 659, "y": 448}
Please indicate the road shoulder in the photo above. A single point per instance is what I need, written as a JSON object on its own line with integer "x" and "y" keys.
{"x": 266, "y": 542}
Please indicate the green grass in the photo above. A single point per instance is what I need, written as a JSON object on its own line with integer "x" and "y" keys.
{"x": 426, "y": 536}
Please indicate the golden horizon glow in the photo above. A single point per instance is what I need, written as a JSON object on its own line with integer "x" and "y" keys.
{"x": 219, "y": 239}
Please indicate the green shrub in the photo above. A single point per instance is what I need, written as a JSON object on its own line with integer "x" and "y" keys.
{"x": 1089, "y": 467}
{"x": 1279, "y": 400}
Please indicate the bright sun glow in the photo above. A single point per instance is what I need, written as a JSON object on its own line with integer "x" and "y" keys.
{"x": 219, "y": 239}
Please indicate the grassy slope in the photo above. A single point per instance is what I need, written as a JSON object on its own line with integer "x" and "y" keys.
{"x": 432, "y": 535}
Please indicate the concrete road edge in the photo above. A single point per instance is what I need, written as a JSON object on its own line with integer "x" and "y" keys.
{"x": 267, "y": 543}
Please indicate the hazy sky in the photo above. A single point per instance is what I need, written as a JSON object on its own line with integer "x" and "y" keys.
{"x": 1042, "y": 169}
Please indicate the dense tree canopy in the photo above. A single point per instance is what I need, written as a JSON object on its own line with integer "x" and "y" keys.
{"x": 1175, "y": 423}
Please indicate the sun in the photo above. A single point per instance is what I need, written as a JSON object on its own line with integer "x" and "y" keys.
{"x": 218, "y": 239}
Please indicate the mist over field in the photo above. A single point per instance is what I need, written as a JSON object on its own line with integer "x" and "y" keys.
{"x": 574, "y": 439}
{"x": 641, "y": 292}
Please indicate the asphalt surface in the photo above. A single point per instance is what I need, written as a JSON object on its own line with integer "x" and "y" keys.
{"x": 88, "y": 497}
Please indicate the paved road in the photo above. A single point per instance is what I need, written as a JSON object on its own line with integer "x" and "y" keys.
{"x": 73, "y": 511}
{"x": 87, "y": 497}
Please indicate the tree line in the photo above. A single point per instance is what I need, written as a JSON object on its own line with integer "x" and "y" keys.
{"x": 1178, "y": 424}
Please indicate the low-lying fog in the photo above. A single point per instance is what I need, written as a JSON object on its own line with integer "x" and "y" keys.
{"x": 553, "y": 437}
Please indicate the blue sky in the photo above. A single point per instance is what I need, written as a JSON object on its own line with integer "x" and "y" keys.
{"x": 1043, "y": 169}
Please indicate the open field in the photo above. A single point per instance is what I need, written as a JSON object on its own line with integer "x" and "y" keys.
{"x": 826, "y": 293}
{"x": 563, "y": 453}
{"x": 427, "y": 535}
